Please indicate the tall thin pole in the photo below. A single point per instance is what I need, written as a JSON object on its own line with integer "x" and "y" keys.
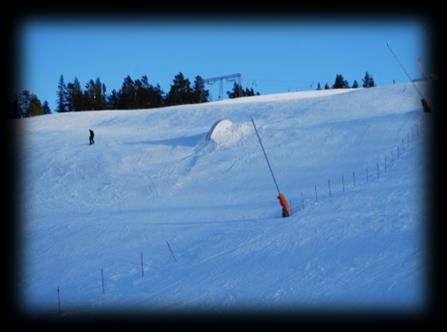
{"x": 58, "y": 301}
{"x": 172, "y": 252}
{"x": 403, "y": 68}
{"x": 102, "y": 281}
{"x": 265, "y": 154}
{"x": 142, "y": 266}
{"x": 221, "y": 89}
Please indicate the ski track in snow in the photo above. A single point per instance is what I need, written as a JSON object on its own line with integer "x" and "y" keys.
{"x": 153, "y": 176}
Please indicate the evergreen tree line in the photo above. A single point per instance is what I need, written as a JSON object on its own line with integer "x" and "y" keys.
{"x": 135, "y": 94}
{"x": 341, "y": 83}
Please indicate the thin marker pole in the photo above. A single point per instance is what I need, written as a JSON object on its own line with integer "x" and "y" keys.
{"x": 353, "y": 178}
{"x": 58, "y": 302}
{"x": 142, "y": 269}
{"x": 405, "y": 71}
{"x": 343, "y": 182}
{"x": 102, "y": 281}
{"x": 316, "y": 194}
{"x": 302, "y": 200}
{"x": 172, "y": 252}
{"x": 329, "y": 187}
{"x": 265, "y": 155}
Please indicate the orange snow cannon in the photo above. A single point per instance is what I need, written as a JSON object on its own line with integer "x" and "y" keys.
{"x": 285, "y": 205}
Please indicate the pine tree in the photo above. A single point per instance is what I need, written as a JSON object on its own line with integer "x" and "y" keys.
{"x": 46, "y": 108}
{"x": 141, "y": 98}
{"x": 200, "y": 93}
{"x": 180, "y": 92}
{"x": 326, "y": 86}
{"x": 75, "y": 97}
{"x": 340, "y": 82}
{"x": 89, "y": 95}
{"x": 62, "y": 103}
{"x": 157, "y": 96}
{"x": 95, "y": 95}
{"x": 113, "y": 100}
{"x": 238, "y": 91}
{"x": 318, "y": 86}
{"x": 146, "y": 96}
{"x": 368, "y": 81}
{"x": 355, "y": 85}
{"x": 127, "y": 94}
{"x": 372, "y": 84}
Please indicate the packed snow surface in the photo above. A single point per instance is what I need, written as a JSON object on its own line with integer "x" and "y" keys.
{"x": 176, "y": 206}
{"x": 226, "y": 133}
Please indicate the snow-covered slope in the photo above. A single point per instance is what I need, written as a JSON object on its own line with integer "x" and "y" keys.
{"x": 179, "y": 179}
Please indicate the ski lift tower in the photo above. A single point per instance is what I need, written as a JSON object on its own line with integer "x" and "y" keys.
{"x": 229, "y": 78}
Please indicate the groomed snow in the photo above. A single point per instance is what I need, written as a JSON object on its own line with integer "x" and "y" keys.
{"x": 162, "y": 176}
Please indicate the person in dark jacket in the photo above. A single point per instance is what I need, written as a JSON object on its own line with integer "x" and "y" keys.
{"x": 92, "y": 136}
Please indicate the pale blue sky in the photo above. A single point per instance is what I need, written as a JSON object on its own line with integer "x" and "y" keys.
{"x": 271, "y": 55}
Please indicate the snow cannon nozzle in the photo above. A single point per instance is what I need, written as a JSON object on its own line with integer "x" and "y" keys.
{"x": 286, "y": 212}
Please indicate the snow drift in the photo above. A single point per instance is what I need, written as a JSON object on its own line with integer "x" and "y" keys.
{"x": 226, "y": 133}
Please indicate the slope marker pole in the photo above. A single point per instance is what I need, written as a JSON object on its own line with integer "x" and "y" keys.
{"x": 404, "y": 70}
{"x": 141, "y": 261}
{"x": 426, "y": 107}
{"x": 172, "y": 252}
{"x": 265, "y": 155}
{"x": 102, "y": 281}
{"x": 58, "y": 301}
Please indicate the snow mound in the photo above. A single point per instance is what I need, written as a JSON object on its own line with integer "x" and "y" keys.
{"x": 226, "y": 133}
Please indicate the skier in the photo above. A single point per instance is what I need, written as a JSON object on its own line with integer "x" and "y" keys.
{"x": 285, "y": 205}
{"x": 92, "y": 135}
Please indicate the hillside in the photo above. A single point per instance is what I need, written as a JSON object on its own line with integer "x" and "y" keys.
{"x": 159, "y": 180}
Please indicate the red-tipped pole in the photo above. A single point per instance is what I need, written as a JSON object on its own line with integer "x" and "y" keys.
{"x": 426, "y": 108}
{"x": 286, "y": 212}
